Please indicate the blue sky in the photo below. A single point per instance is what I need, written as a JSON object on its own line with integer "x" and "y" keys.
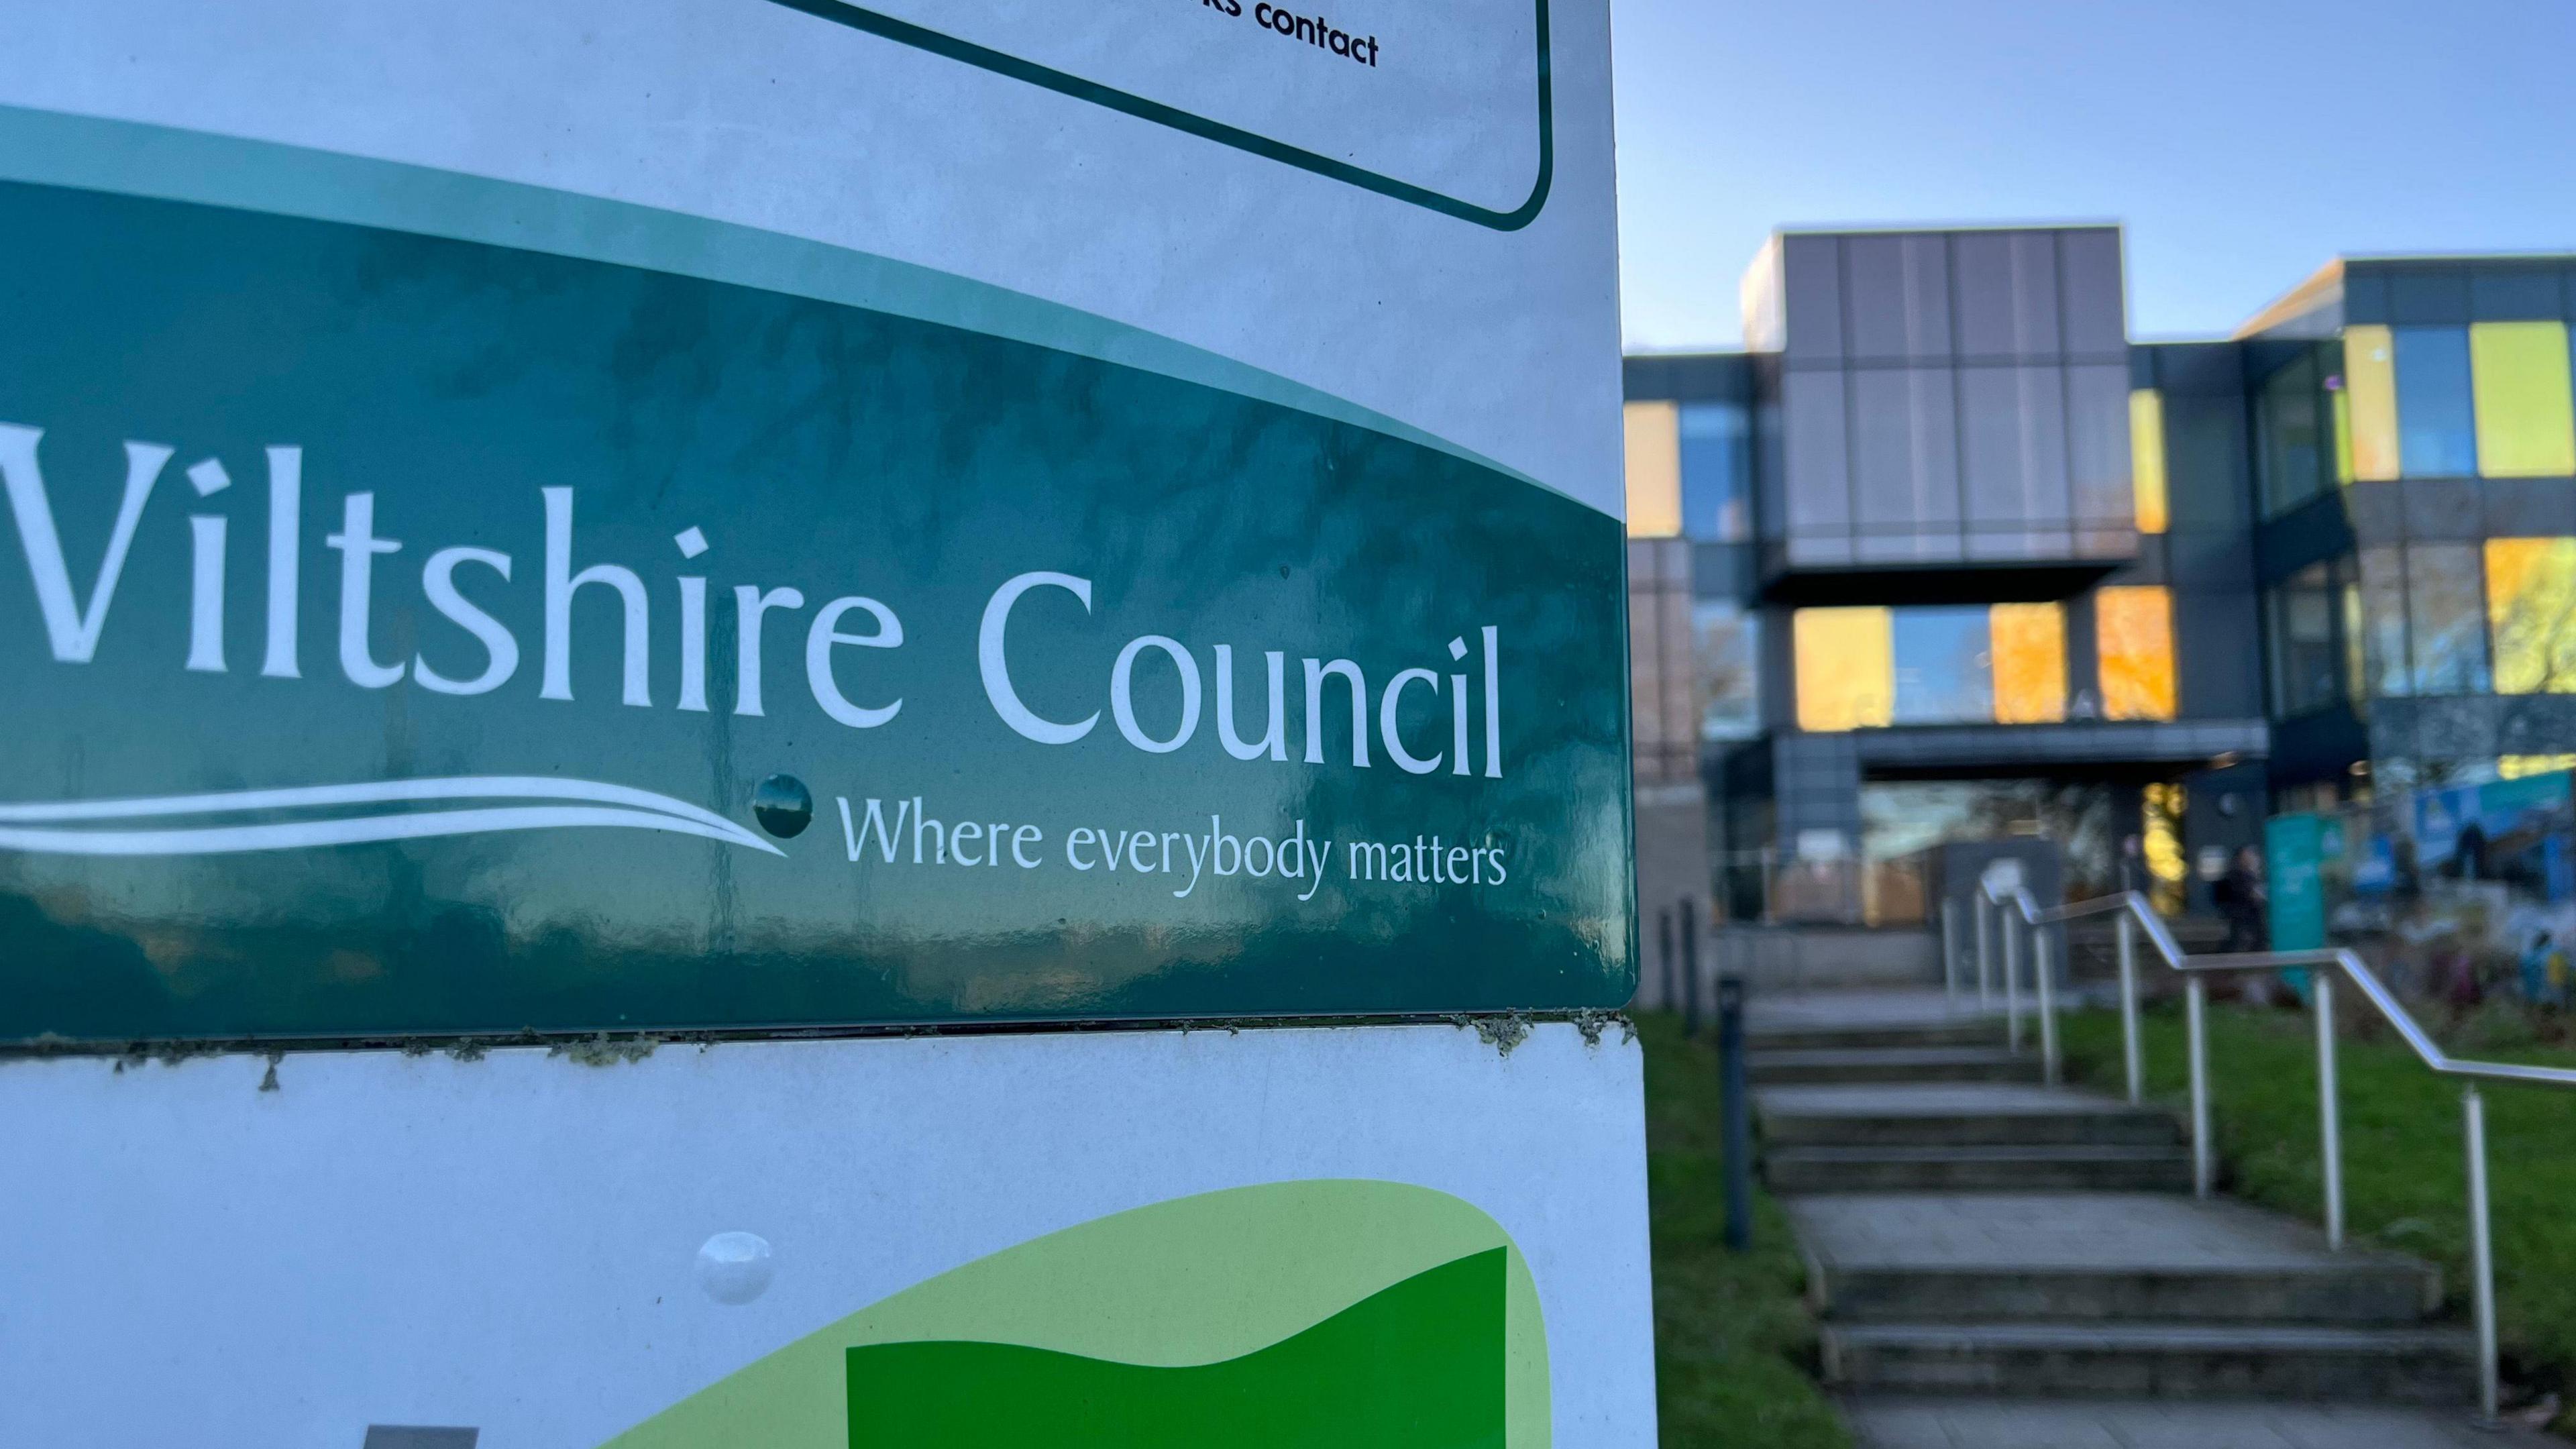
{"x": 2243, "y": 144}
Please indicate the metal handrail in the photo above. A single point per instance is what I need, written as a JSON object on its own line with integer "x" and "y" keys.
{"x": 2133, "y": 914}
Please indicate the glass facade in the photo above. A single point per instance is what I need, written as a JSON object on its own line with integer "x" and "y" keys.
{"x": 2306, "y": 664}
{"x": 1966, "y": 664}
{"x": 1846, "y": 668}
{"x": 1690, "y": 470}
{"x": 2531, "y": 614}
{"x": 2367, "y": 406}
{"x": 1727, "y": 641}
{"x": 1654, "y": 469}
{"x": 2525, "y": 427}
{"x": 2147, "y": 457}
{"x": 2481, "y": 400}
{"x": 2133, "y": 640}
{"x": 2289, "y": 415}
{"x": 1716, "y": 461}
{"x": 2029, "y": 662}
{"x": 2437, "y": 430}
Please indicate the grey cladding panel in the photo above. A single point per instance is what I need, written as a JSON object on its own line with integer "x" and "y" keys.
{"x": 2097, "y": 429}
{"x": 1905, "y": 450}
{"x": 2013, "y": 436}
{"x": 1811, "y": 283}
{"x": 1898, "y": 297}
{"x": 1819, "y": 479}
{"x": 2007, "y": 296}
{"x": 2097, "y": 323}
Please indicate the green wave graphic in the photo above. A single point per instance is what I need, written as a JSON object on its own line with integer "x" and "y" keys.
{"x": 1419, "y": 1364}
{"x": 1186, "y": 1285}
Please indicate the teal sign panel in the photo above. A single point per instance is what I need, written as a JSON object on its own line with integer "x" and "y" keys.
{"x": 2293, "y": 851}
{"x": 418, "y": 637}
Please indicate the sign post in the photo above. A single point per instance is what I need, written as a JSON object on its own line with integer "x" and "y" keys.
{"x": 799, "y": 722}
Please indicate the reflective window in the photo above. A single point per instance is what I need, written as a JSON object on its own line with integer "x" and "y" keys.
{"x": 2531, "y": 614}
{"x": 2028, "y": 662}
{"x": 2383, "y": 610}
{"x": 1716, "y": 447}
{"x": 2147, "y": 456}
{"x": 1968, "y": 664}
{"x": 2446, "y": 618}
{"x": 2526, "y": 425}
{"x": 1845, "y": 668}
{"x": 2288, "y": 428}
{"x": 1726, "y": 640}
{"x": 1944, "y": 674}
{"x": 2303, "y": 645}
{"x": 2367, "y": 405}
{"x": 2133, "y": 634}
{"x": 1654, "y": 469}
{"x": 2436, "y": 419}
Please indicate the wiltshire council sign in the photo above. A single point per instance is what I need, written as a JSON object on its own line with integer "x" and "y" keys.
{"x": 418, "y": 636}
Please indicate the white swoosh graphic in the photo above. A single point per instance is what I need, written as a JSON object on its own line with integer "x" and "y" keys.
{"x": 571, "y": 803}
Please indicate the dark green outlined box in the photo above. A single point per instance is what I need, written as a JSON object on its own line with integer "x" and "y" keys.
{"x": 904, "y": 32}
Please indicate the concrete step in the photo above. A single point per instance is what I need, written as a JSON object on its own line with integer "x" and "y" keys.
{"x": 2154, "y": 1361}
{"x": 1851, "y": 1038}
{"x": 2381, "y": 1292}
{"x": 1891, "y": 1064}
{"x": 1964, "y": 1114}
{"x": 2060, "y": 1168}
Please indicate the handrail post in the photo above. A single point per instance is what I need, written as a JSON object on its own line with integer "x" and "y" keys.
{"x": 2012, "y": 975}
{"x": 2481, "y": 1250}
{"x": 1950, "y": 951}
{"x": 2329, "y": 1127}
{"x": 1982, "y": 908}
{"x": 2043, "y": 966}
{"x": 2128, "y": 932}
{"x": 2195, "y": 997}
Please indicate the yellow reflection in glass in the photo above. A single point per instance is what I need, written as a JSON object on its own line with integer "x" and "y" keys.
{"x": 1846, "y": 667}
{"x": 1654, "y": 469}
{"x": 2514, "y": 767}
{"x": 2027, "y": 647}
{"x": 2369, "y": 413}
{"x": 2162, "y": 818}
{"x": 2526, "y": 418}
{"x": 2147, "y": 456}
{"x": 2133, "y": 632}
{"x": 2531, "y": 614}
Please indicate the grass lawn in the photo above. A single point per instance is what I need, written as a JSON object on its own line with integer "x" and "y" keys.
{"x": 1733, "y": 1338}
{"x": 2405, "y": 1176}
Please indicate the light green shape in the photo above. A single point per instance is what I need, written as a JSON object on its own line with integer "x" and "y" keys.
{"x": 174, "y": 164}
{"x": 1193, "y": 1280}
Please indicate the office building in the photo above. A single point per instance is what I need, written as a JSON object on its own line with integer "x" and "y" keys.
{"x": 1942, "y": 555}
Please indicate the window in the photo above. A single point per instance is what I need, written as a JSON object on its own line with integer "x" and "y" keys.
{"x": 2028, "y": 662}
{"x": 2133, "y": 634}
{"x": 2436, "y": 420}
{"x": 1944, "y": 672}
{"x": 1969, "y": 664}
{"x": 2303, "y": 646}
{"x": 1845, "y": 668}
{"x": 2286, "y": 417}
{"x": 2526, "y": 423}
{"x": 2160, "y": 816}
{"x": 2531, "y": 614}
{"x": 2446, "y": 619}
{"x": 1716, "y": 448}
{"x": 1726, "y": 639}
{"x": 2366, "y": 406}
{"x": 1654, "y": 469}
{"x": 2383, "y": 610}
{"x": 2147, "y": 456}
